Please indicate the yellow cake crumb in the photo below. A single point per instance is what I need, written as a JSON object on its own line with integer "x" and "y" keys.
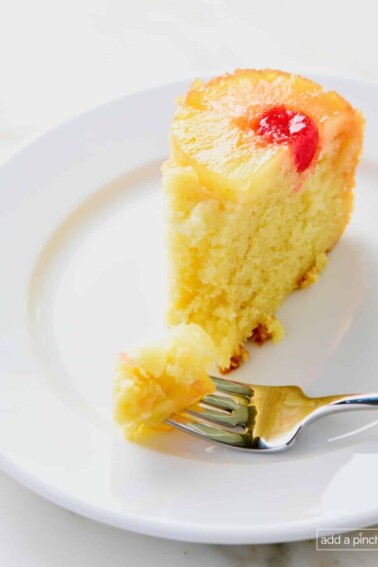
{"x": 312, "y": 275}
{"x": 240, "y": 355}
{"x": 162, "y": 378}
{"x": 270, "y": 329}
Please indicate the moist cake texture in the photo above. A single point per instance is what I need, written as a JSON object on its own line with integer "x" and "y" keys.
{"x": 162, "y": 378}
{"x": 259, "y": 189}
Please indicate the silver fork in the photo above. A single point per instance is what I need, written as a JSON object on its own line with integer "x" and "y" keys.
{"x": 261, "y": 418}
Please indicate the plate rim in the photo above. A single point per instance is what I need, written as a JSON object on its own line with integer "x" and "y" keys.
{"x": 268, "y": 534}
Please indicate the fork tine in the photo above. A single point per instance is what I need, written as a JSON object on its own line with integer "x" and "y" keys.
{"x": 207, "y": 432}
{"x": 232, "y": 387}
{"x": 225, "y": 403}
{"x": 227, "y": 419}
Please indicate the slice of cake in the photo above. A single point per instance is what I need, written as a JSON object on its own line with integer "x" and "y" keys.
{"x": 259, "y": 188}
{"x": 159, "y": 379}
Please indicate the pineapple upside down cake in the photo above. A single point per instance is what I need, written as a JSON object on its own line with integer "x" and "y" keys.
{"x": 259, "y": 188}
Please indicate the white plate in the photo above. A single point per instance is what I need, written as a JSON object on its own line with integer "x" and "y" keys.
{"x": 83, "y": 276}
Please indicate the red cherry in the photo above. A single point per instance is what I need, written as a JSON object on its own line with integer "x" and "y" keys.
{"x": 280, "y": 125}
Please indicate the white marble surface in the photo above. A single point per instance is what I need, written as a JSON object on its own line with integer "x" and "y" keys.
{"x": 59, "y": 58}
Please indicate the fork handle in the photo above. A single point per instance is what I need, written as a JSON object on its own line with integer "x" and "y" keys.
{"x": 334, "y": 404}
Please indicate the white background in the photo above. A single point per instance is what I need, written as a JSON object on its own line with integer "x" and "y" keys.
{"x": 59, "y": 58}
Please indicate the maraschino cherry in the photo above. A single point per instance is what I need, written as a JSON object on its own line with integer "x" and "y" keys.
{"x": 280, "y": 125}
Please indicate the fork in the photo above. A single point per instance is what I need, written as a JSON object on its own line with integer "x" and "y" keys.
{"x": 261, "y": 418}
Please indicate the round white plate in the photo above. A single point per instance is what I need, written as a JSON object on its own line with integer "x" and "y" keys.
{"x": 83, "y": 276}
